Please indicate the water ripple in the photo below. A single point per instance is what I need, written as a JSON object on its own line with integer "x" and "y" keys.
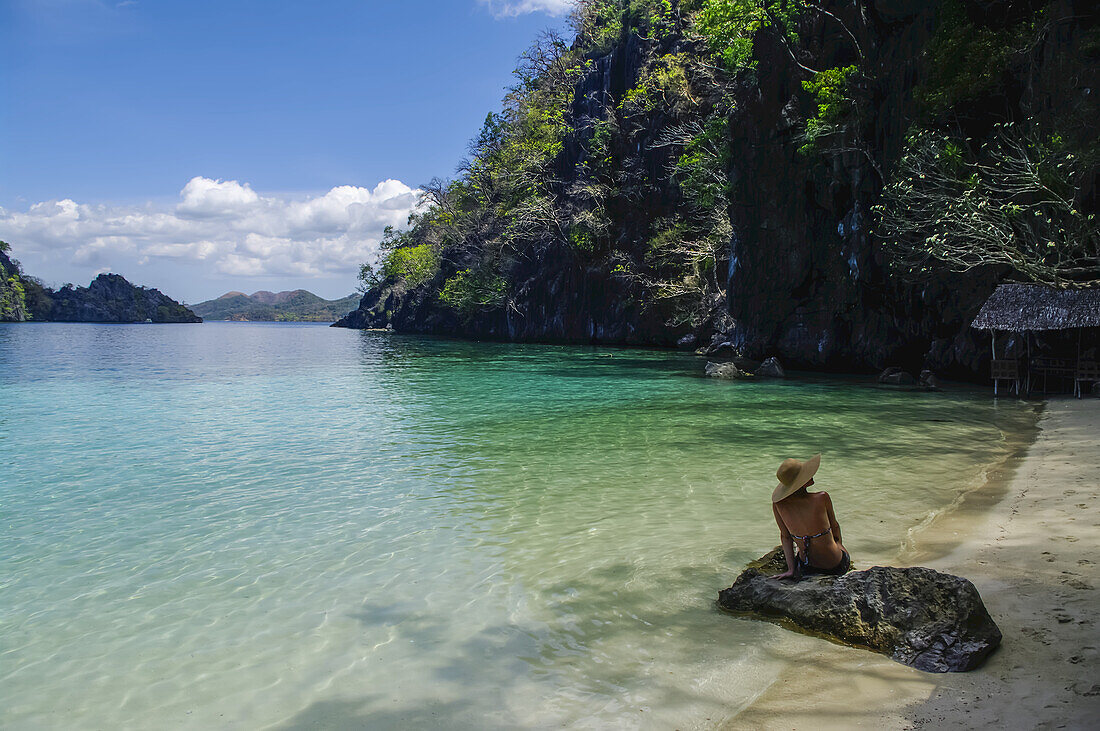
{"x": 246, "y": 525}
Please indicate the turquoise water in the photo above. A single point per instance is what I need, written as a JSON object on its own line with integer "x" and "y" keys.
{"x": 243, "y": 525}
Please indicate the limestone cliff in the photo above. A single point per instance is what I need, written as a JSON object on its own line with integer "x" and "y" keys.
{"x": 13, "y": 306}
{"x": 799, "y": 272}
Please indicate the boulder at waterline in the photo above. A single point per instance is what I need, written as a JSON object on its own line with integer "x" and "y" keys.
{"x": 728, "y": 371}
{"x": 896, "y": 377}
{"x": 920, "y": 617}
{"x": 929, "y": 381}
{"x": 771, "y": 368}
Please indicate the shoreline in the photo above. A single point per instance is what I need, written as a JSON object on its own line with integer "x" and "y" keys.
{"x": 1022, "y": 538}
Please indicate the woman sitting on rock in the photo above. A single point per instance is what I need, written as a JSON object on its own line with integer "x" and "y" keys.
{"x": 807, "y": 517}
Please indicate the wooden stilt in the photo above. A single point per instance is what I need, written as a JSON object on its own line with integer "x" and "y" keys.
{"x": 1027, "y": 383}
{"x": 993, "y": 346}
{"x": 1077, "y": 367}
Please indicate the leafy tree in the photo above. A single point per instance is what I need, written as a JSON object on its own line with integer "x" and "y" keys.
{"x": 368, "y": 278}
{"x": 967, "y": 60}
{"x": 413, "y": 264}
{"x": 686, "y": 253}
{"x": 664, "y": 86}
{"x": 729, "y": 26}
{"x": 1016, "y": 203}
{"x": 598, "y": 24}
{"x": 13, "y": 305}
{"x": 469, "y": 291}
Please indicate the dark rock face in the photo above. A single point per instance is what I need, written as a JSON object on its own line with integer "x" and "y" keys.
{"x": 557, "y": 298}
{"x": 807, "y": 281}
{"x": 376, "y": 308}
{"x": 919, "y": 617}
{"x": 110, "y": 298}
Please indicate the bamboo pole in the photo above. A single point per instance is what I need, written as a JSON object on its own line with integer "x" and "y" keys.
{"x": 1077, "y": 367}
{"x": 993, "y": 347}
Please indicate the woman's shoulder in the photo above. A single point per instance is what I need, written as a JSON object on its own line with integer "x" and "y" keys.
{"x": 819, "y": 495}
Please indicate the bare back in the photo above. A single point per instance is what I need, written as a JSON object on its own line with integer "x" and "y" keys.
{"x": 810, "y": 515}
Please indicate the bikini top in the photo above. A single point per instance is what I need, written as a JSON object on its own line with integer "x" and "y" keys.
{"x": 806, "y": 540}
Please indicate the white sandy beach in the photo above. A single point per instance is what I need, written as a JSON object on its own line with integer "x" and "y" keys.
{"x": 1033, "y": 556}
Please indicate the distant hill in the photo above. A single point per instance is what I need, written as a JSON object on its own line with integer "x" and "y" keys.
{"x": 294, "y": 306}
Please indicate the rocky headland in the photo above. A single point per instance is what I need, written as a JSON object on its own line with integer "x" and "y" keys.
{"x": 689, "y": 172}
{"x": 109, "y": 298}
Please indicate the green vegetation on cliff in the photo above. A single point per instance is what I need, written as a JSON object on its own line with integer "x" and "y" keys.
{"x": 13, "y": 303}
{"x": 793, "y": 177}
{"x": 1014, "y": 201}
{"x": 109, "y": 298}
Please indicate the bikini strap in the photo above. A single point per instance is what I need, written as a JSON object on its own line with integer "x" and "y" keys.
{"x": 806, "y": 541}
{"x": 815, "y": 535}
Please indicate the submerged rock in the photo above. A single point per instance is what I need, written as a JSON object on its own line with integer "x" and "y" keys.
{"x": 896, "y": 377}
{"x": 920, "y": 617}
{"x": 771, "y": 368}
{"x": 729, "y": 371}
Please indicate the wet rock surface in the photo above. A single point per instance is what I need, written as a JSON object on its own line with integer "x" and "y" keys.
{"x": 896, "y": 377}
{"x": 920, "y": 617}
{"x": 929, "y": 381}
{"x": 771, "y": 368}
{"x": 727, "y": 371}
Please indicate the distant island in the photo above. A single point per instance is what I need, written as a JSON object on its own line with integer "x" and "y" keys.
{"x": 294, "y": 306}
{"x": 109, "y": 298}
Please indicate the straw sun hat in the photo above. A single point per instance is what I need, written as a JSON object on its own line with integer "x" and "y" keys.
{"x": 793, "y": 474}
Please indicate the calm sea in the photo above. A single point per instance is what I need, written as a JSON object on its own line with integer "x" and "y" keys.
{"x": 241, "y": 525}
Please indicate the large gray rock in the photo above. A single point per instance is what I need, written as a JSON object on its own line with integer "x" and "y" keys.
{"x": 929, "y": 381}
{"x": 896, "y": 377}
{"x": 771, "y": 368}
{"x": 728, "y": 371}
{"x": 920, "y": 617}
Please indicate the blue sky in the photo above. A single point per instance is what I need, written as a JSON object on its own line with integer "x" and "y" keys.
{"x": 203, "y": 146}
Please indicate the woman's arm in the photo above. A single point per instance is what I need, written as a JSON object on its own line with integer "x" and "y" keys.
{"x": 833, "y": 525}
{"x": 787, "y": 543}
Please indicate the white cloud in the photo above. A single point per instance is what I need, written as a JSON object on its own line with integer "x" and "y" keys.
{"x": 512, "y": 8}
{"x": 206, "y": 198}
{"x": 223, "y": 226}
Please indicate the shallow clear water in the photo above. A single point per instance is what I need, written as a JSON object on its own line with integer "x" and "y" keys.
{"x": 293, "y": 526}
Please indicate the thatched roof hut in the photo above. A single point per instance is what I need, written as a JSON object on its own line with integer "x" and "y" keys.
{"x": 1034, "y": 307}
